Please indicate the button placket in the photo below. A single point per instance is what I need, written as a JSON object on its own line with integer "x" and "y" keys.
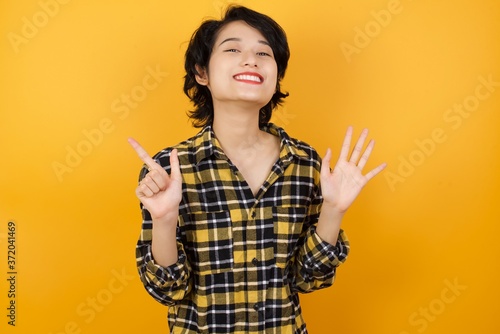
{"x": 259, "y": 307}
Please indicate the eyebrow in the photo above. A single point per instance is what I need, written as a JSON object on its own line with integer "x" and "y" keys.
{"x": 231, "y": 39}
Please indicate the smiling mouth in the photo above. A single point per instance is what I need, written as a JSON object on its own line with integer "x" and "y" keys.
{"x": 253, "y": 78}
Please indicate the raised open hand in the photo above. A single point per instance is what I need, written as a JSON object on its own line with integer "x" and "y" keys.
{"x": 341, "y": 186}
{"x": 159, "y": 192}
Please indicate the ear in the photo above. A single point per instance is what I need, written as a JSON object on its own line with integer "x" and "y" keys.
{"x": 202, "y": 76}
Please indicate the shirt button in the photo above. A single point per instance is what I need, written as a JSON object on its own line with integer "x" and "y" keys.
{"x": 254, "y": 214}
{"x": 256, "y": 306}
{"x": 255, "y": 261}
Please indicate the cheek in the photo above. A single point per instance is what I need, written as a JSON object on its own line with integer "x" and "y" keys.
{"x": 273, "y": 81}
{"x": 273, "y": 73}
{"x": 218, "y": 69}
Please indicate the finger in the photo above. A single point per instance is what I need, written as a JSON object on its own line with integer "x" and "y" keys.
{"x": 175, "y": 169}
{"x": 371, "y": 174}
{"x": 143, "y": 191}
{"x": 346, "y": 145}
{"x": 160, "y": 178}
{"x": 325, "y": 164}
{"x": 143, "y": 155}
{"x": 366, "y": 154}
{"x": 359, "y": 146}
{"x": 150, "y": 183}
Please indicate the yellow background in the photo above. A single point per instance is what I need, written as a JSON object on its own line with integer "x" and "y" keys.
{"x": 431, "y": 220}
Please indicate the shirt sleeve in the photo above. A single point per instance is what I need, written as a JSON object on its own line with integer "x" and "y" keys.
{"x": 169, "y": 284}
{"x": 316, "y": 260}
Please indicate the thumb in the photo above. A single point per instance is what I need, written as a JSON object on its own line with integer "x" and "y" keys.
{"x": 175, "y": 169}
{"x": 325, "y": 164}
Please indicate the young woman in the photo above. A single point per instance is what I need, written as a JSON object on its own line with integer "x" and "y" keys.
{"x": 240, "y": 218}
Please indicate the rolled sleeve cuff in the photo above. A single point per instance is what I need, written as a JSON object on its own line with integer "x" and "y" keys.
{"x": 324, "y": 254}
{"x": 169, "y": 277}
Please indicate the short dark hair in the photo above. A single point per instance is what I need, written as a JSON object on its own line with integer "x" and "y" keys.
{"x": 200, "y": 49}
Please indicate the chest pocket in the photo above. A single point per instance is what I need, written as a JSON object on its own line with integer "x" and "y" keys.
{"x": 209, "y": 241}
{"x": 288, "y": 222}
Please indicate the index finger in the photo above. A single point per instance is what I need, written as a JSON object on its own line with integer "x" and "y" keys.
{"x": 143, "y": 155}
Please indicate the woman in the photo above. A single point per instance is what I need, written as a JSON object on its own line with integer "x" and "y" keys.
{"x": 240, "y": 218}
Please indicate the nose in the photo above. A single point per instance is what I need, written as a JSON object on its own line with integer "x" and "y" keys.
{"x": 249, "y": 59}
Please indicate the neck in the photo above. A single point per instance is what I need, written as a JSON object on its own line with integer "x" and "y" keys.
{"x": 237, "y": 128}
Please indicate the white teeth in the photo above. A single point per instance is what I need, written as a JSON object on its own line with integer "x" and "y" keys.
{"x": 248, "y": 77}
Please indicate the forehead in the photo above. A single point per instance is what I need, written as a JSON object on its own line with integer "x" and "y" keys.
{"x": 240, "y": 30}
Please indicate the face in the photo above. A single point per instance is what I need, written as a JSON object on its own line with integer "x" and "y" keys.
{"x": 242, "y": 68}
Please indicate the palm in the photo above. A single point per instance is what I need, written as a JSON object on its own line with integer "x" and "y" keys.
{"x": 342, "y": 186}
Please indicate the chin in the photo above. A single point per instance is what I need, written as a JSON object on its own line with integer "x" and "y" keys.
{"x": 259, "y": 100}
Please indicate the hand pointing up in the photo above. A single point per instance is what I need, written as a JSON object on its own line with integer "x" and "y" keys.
{"x": 159, "y": 192}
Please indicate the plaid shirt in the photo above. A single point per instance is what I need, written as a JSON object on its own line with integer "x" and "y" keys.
{"x": 242, "y": 259}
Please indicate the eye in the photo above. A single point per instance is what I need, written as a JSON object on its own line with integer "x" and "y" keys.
{"x": 263, "y": 54}
{"x": 231, "y": 50}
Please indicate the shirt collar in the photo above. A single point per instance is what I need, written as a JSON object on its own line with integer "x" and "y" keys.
{"x": 289, "y": 146}
{"x": 206, "y": 144}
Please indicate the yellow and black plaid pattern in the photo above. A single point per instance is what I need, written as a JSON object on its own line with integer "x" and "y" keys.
{"x": 242, "y": 258}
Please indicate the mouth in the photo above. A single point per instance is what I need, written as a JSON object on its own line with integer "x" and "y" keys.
{"x": 249, "y": 78}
